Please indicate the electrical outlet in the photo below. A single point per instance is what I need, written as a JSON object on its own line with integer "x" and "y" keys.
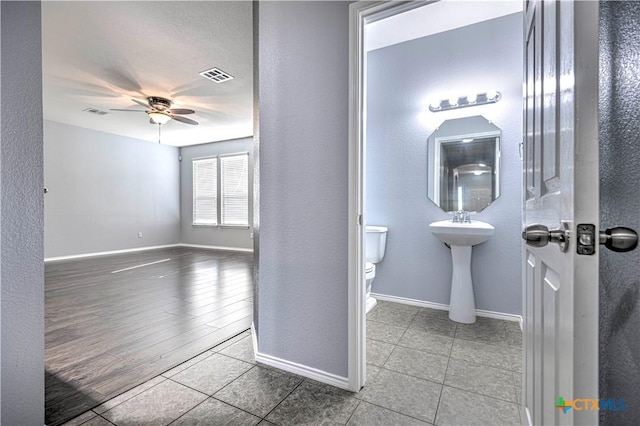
{"x": 139, "y": 234}
{"x": 251, "y": 235}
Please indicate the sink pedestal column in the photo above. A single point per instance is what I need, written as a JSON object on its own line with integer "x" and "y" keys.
{"x": 462, "y": 306}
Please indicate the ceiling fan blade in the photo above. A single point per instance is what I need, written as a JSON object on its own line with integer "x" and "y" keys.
{"x": 144, "y": 104}
{"x": 184, "y": 120}
{"x": 129, "y": 110}
{"x": 181, "y": 111}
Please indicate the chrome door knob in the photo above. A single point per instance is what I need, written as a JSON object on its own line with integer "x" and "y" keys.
{"x": 539, "y": 236}
{"x": 619, "y": 239}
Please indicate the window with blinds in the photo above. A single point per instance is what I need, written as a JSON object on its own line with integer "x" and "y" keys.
{"x": 205, "y": 191}
{"x": 234, "y": 189}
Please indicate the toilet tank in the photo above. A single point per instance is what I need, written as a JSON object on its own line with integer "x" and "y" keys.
{"x": 375, "y": 243}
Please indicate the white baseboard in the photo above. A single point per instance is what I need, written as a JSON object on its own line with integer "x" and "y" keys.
{"x": 303, "y": 370}
{"x": 132, "y": 250}
{"x": 105, "y": 253}
{"x": 443, "y": 307}
{"x": 246, "y": 250}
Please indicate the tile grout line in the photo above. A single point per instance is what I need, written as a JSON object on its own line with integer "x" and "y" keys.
{"x": 103, "y": 418}
{"x": 481, "y": 394}
{"x": 354, "y": 411}
{"x": 283, "y": 399}
{"x": 228, "y": 384}
{"x": 444, "y": 379}
{"x": 117, "y": 396}
{"x": 394, "y": 411}
{"x": 212, "y": 396}
{"x": 187, "y": 412}
{"x": 187, "y": 386}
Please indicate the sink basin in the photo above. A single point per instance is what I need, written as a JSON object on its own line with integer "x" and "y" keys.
{"x": 461, "y": 233}
{"x": 461, "y": 236}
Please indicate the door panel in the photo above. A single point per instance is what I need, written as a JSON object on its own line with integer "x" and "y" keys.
{"x": 530, "y": 46}
{"x": 550, "y": 156}
{"x": 529, "y": 333}
{"x": 550, "y": 296}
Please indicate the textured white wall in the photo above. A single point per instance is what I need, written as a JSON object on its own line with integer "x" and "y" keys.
{"x": 105, "y": 188}
{"x": 21, "y": 211}
{"x": 303, "y": 92}
{"x": 402, "y": 80}
{"x": 619, "y": 206}
{"x": 208, "y": 235}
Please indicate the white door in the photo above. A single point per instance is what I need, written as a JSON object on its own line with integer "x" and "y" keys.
{"x": 560, "y": 187}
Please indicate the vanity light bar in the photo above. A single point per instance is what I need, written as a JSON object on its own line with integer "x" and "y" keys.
{"x": 490, "y": 97}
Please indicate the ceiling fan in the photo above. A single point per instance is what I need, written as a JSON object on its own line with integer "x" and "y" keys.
{"x": 160, "y": 111}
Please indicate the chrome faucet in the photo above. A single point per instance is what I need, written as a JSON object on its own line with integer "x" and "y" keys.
{"x": 461, "y": 216}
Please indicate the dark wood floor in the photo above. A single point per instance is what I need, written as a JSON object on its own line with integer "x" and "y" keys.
{"x": 111, "y": 324}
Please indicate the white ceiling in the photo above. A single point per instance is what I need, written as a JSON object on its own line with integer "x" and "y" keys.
{"x": 101, "y": 54}
{"x": 435, "y": 18}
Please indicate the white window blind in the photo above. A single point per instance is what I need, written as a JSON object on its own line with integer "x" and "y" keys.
{"x": 205, "y": 191}
{"x": 234, "y": 189}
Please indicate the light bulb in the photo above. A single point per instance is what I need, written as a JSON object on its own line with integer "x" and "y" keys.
{"x": 159, "y": 118}
{"x": 491, "y": 95}
{"x": 472, "y": 98}
{"x": 453, "y": 101}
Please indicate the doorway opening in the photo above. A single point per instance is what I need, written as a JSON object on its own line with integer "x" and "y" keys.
{"x": 391, "y": 124}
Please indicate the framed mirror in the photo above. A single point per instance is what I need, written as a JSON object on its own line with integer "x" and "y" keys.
{"x": 464, "y": 164}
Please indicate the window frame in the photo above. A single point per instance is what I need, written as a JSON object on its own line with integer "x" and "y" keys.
{"x": 219, "y": 191}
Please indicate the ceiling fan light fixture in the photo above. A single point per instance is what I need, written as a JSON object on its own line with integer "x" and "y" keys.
{"x": 158, "y": 117}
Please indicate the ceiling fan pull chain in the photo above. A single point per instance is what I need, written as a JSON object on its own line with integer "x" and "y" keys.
{"x": 159, "y": 126}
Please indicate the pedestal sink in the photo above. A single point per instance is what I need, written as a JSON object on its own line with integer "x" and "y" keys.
{"x": 461, "y": 236}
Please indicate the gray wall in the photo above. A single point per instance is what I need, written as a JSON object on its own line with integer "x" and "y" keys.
{"x": 105, "y": 188}
{"x": 21, "y": 211}
{"x": 210, "y": 235}
{"x": 620, "y": 206}
{"x": 303, "y": 92}
{"x": 402, "y": 80}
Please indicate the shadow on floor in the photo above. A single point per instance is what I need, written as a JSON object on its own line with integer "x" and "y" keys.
{"x": 64, "y": 401}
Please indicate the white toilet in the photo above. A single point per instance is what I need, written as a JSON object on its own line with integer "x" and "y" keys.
{"x": 375, "y": 243}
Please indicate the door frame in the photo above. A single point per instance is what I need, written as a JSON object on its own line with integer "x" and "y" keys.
{"x": 360, "y": 14}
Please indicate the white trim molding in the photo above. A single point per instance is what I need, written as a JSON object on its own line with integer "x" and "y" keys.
{"x": 254, "y": 339}
{"x": 242, "y": 249}
{"x": 132, "y": 250}
{"x": 443, "y": 307}
{"x": 303, "y": 370}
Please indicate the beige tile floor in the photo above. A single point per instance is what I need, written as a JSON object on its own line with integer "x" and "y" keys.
{"x": 422, "y": 369}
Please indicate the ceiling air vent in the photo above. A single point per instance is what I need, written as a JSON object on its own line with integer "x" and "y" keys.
{"x": 216, "y": 75}
{"x": 95, "y": 111}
